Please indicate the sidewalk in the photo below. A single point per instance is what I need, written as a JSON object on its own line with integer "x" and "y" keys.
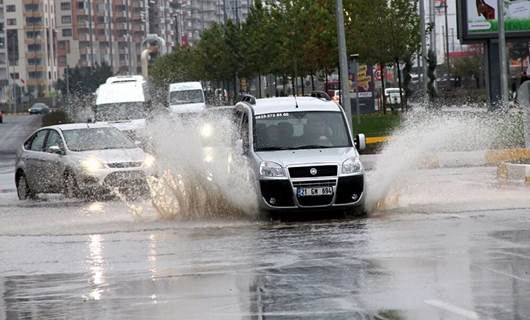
{"x": 459, "y": 159}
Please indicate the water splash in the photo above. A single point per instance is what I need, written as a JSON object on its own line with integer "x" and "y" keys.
{"x": 425, "y": 134}
{"x": 201, "y": 173}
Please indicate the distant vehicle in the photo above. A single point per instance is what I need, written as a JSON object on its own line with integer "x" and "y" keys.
{"x": 78, "y": 159}
{"x": 392, "y": 95}
{"x": 321, "y": 95}
{"x": 123, "y": 102}
{"x": 302, "y": 153}
{"x": 186, "y": 97}
{"x": 39, "y": 108}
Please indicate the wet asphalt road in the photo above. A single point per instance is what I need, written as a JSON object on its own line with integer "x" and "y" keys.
{"x": 453, "y": 244}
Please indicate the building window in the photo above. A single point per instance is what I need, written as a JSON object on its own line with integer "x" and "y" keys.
{"x": 80, "y": 4}
{"x": 15, "y": 75}
{"x": 62, "y": 61}
{"x": 66, "y": 19}
{"x": 67, "y": 32}
{"x": 33, "y": 20}
{"x": 36, "y": 74}
{"x": 11, "y": 22}
{"x": 34, "y": 61}
{"x": 33, "y": 34}
{"x": 34, "y": 47}
{"x": 65, "y": 6}
{"x": 11, "y": 8}
{"x": 32, "y": 7}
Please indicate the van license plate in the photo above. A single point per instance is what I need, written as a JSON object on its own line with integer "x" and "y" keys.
{"x": 321, "y": 191}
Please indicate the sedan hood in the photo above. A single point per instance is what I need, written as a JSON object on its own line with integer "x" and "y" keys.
{"x": 113, "y": 155}
{"x": 308, "y": 156}
{"x": 127, "y": 125}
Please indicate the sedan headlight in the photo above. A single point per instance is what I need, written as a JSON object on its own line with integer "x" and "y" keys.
{"x": 149, "y": 161}
{"x": 91, "y": 165}
{"x": 352, "y": 165}
{"x": 271, "y": 169}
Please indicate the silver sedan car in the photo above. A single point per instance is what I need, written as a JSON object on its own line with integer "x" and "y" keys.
{"x": 80, "y": 159}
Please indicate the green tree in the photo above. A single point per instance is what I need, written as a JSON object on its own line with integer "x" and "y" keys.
{"x": 84, "y": 80}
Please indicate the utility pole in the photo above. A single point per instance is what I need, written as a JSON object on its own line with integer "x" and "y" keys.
{"x": 111, "y": 42}
{"x": 502, "y": 52}
{"x": 423, "y": 48}
{"x": 129, "y": 36}
{"x": 447, "y": 41}
{"x": 432, "y": 22}
{"x": 343, "y": 62}
{"x": 90, "y": 33}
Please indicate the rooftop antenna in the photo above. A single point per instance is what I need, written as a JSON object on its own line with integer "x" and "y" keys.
{"x": 295, "y": 101}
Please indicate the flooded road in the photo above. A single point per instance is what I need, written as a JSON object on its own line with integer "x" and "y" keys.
{"x": 451, "y": 244}
{"x": 417, "y": 260}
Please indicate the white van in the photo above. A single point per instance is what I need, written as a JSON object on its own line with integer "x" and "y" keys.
{"x": 303, "y": 154}
{"x": 185, "y": 97}
{"x": 124, "y": 103}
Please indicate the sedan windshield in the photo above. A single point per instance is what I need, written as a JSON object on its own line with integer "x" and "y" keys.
{"x": 96, "y": 139}
{"x": 120, "y": 111}
{"x": 300, "y": 130}
{"x": 186, "y": 96}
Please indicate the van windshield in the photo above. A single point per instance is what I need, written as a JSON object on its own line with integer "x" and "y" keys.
{"x": 120, "y": 111}
{"x": 300, "y": 130}
{"x": 186, "y": 96}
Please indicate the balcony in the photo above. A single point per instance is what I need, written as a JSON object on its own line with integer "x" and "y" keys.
{"x": 34, "y": 54}
{"x": 85, "y": 50}
{"x": 35, "y": 68}
{"x": 36, "y": 82}
{"x": 36, "y": 14}
{"x": 83, "y": 36}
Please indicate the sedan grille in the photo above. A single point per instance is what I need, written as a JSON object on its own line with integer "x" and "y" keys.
{"x": 124, "y": 164}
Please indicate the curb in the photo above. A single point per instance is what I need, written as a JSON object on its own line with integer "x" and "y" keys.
{"x": 512, "y": 172}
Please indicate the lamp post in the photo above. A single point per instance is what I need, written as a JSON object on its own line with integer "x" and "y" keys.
{"x": 502, "y": 52}
{"x": 355, "y": 70}
{"x": 343, "y": 63}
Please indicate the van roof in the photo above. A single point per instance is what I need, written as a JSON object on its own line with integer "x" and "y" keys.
{"x": 289, "y": 104}
{"x": 119, "y": 79}
{"x": 120, "y": 92}
{"x": 190, "y": 85}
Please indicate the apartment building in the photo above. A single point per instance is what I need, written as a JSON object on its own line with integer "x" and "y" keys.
{"x": 4, "y": 80}
{"x": 30, "y": 34}
{"x": 193, "y": 16}
{"x": 93, "y": 32}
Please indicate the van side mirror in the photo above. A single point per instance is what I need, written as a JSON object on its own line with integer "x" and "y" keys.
{"x": 360, "y": 142}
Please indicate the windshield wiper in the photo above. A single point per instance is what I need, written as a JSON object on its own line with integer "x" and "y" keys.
{"x": 272, "y": 149}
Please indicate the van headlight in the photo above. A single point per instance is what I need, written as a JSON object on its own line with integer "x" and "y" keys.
{"x": 91, "y": 165}
{"x": 271, "y": 169}
{"x": 352, "y": 165}
{"x": 149, "y": 161}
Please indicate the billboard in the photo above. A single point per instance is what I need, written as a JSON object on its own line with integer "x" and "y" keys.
{"x": 478, "y": 19}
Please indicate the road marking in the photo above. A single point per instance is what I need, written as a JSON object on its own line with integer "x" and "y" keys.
{"x": 468, "y": 314}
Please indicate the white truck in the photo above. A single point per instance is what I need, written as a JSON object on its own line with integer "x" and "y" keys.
{"x": 186, "y": 97}
{"x": 124, "y": 103}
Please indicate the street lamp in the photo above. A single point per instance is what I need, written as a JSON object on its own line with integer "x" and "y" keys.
{"x": 355, "y": 69}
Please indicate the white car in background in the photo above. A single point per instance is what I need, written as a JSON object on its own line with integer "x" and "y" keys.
{"x": 186, "y": 97}
{"x": 78, "y": 159}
